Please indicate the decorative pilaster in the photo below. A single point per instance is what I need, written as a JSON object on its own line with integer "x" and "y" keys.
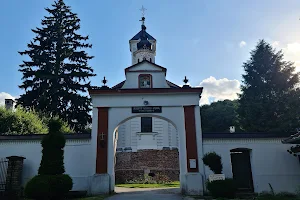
{"x": 101, "y": 160}
{"x": 191, "y": 140}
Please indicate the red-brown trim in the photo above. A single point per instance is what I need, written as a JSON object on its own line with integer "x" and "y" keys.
{"x": 190, "y": 134}
{"x": 140, "y": 75}
{"x": 101, "y": 159}
{"x": 147, "y": 91}
{"x": 163, "y": 69}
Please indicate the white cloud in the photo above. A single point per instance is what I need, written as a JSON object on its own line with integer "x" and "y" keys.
{"x": 275, "y": 44}
{"x": 292, "y": 53}
{"x": 242, "y": 44}
{"x": 3, "y": 96}
{"x": 221, "y": 89}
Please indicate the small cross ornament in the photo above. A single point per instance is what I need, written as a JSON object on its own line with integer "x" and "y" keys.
{"x": 102, "y": 136}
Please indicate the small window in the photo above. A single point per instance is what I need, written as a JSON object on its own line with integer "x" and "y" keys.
{"x": 145, "y": 81}
{"x": 146, "y": 124}
{"x": 150, "y": 59}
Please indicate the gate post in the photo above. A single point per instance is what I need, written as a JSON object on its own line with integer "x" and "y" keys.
{"x": 14, "y": 175}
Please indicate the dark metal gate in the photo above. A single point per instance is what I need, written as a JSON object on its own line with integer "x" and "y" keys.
{"x": 3, "y": 175}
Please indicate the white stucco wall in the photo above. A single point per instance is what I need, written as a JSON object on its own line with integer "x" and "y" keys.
{"x": 270, "y": 162}
{"x": 165, "y": 134}
{"x": 78, "y": 163}
{"x": 129, "y": 100}
{"x": 158, "y": 76}
{"x": 158, "y": 80}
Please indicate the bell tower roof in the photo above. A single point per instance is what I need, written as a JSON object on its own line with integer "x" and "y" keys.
{"x": 143, "y": 34}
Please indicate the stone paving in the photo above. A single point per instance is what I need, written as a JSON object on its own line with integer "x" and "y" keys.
{"x": 147, "y": 194}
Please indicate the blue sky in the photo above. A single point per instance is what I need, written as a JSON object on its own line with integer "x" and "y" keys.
{"x": 205, "y": 40}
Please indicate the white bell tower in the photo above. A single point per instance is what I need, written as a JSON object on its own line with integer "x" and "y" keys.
{"x": 142, "y": 45}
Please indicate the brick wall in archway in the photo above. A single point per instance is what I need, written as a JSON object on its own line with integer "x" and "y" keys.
{"x": 132, "y": 165}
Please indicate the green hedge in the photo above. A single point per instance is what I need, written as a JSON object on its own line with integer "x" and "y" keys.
{"x": 48, "y": 187}
{"x": 222, "y": 188}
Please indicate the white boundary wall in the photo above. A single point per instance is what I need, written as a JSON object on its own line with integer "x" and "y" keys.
{"x": 77, "y": 159}
{"x": 270, "y": 162}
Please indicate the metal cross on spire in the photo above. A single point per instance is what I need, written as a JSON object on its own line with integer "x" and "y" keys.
{"x": 143, "y": 15}
{"x": 143, "y": 11}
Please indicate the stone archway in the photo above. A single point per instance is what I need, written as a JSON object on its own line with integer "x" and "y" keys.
{"x": 187, "y": 121}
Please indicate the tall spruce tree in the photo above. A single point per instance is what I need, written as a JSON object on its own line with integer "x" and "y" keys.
{"x": 55, "y": 78}
{"x": 270, "y": 92}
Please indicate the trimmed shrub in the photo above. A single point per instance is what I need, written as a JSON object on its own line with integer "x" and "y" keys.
{"x": 213, "y": 161}
{"x": 222, "y": 188}
{"x": 51, "y": 183}
{"x": 49, "y": 187}
{"x": 52, "y": 162}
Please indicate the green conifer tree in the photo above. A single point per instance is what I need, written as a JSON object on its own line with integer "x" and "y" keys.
{"x": 56, "y": 77}
{"x": 270, "y": 92}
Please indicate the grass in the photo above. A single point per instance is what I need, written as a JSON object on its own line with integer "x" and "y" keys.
{"x": 101, "y": 197}
{"x": 150, "y": 185}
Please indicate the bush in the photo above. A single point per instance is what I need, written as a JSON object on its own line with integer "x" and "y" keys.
{"x": 222, "y": 188}
{"x": 213, "y": 161}
{"x": 49, "y": 187}
{"x": 51, "y": 183}
{"x": 21, "y": 121}
{"x": 52, "y": 162}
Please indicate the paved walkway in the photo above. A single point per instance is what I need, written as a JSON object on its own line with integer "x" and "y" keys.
{"x": 146, "y": 194}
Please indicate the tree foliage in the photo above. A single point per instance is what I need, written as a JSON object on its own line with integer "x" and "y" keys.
{"x": 219, "y": 116}
{"x": 270, "y": 92}
{"x": 22, "y": 122}
{"x": 55, "y": 78}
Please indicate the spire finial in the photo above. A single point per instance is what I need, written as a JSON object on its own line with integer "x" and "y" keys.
{"x": 104, "y": 81}
{"x": 185, "y": 80}
{"x": 143, "y": 15}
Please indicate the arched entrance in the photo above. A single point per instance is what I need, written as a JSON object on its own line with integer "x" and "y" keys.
{"x": 186, "y": 119}
{"x": 146, "y": 150}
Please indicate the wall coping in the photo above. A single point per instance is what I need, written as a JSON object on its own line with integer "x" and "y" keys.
{"x": 243, "y": 135}
{"x": 235, "y": 135}
{"x": 40, "y": 136}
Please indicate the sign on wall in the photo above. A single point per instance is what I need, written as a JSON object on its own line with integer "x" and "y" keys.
{"x": 216, "y": 177}
{"x": 146, "y": 109}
